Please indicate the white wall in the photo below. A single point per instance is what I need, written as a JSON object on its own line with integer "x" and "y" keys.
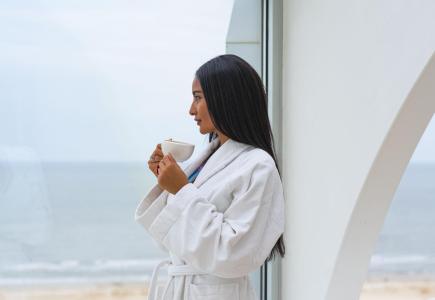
{"x": 350, "y": 126}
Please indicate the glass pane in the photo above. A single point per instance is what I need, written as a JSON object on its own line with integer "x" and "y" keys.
{"x": 403, "y": 263}
{"x": 245, "y": 40}
{"x": 87, "y": 89}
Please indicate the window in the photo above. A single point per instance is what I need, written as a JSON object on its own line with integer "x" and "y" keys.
{"x": 87, "y": 89}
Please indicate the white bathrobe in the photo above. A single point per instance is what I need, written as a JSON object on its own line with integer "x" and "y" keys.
{"x": 219, "y": 228}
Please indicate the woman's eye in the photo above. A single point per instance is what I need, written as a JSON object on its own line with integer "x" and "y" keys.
{"x": 197, "y": 97}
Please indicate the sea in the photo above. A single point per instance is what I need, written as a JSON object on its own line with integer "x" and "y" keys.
{"x": 69, "y": 222}
{"x": 406, "y": 244}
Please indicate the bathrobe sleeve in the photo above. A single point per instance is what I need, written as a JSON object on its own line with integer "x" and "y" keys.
{"x": 228, "y": 244}
{"x": 150, "y": 207}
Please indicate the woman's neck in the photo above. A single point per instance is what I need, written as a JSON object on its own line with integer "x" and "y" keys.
{"x": 222, "y": 139}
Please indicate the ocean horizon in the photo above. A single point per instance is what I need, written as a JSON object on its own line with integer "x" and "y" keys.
{"x": 74, "y": 222}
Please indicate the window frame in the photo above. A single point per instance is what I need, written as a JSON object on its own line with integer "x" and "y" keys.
{"x": 272, "y": 34}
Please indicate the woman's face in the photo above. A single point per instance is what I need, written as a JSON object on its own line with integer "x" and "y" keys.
{"x": 199, "y": 109}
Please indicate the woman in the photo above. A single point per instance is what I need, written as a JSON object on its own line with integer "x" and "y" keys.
{"x": 223, "y": 216}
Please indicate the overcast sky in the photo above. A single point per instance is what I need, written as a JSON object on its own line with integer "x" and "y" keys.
{"x": 103, "y": 80}
{"x": 107, "y": 80}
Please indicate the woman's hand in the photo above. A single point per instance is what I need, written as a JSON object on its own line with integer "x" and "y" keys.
{"x": 170, "y": 176}
{"x": 156, "y": 157}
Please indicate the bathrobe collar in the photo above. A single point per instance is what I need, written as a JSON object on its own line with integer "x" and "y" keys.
{"x": 223, "y": 155}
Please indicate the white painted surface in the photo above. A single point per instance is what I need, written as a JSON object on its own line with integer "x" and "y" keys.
{"x": 349, "y": 128}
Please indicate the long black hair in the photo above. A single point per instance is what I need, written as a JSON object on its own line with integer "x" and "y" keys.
{"x": 237, "y": 104}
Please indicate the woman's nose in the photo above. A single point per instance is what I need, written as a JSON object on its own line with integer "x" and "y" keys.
{"x": 192, "y": 110}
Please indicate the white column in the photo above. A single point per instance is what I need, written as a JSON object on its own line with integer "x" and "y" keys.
{"x": 355, "y": 104}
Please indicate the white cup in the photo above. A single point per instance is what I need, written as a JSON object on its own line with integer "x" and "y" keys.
{"x": 180, "y": 151}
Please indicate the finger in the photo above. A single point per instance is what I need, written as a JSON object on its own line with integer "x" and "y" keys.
{"x": 158, "y": 152}
{"x": 153, "y": 163}
{"x": 153, "y": 168}
{"x": 167, "y": 159}
{"x": 153, "y": 157}
{"x": 162, "y": 164}
{"x": 157, "y": 157}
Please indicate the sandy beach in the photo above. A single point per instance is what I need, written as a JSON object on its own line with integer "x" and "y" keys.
{"x": 398, "y": 290}
{"x": 118, "y": 291}
{"x": 372, "y": 290}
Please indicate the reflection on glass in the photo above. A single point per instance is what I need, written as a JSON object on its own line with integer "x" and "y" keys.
{"x": 85, "y": 86}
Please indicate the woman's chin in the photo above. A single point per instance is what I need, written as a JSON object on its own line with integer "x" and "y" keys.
{"x": 203, "y": 131}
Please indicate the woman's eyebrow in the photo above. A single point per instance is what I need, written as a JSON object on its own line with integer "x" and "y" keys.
{"x": 193, "y": 93}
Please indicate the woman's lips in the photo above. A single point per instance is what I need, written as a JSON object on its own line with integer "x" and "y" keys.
{"x": 198, "y": 121}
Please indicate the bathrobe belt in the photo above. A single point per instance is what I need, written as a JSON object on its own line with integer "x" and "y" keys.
{"x": 173, "y": 270}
